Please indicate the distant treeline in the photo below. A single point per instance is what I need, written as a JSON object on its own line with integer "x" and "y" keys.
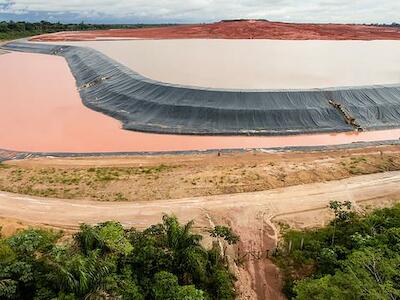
{"x": 13, "y": 30}
{"x": 389, "y": 25}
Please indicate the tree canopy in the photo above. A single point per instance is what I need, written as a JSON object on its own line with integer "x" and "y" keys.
{"x": 363, "y": 262}
{"x": 13, "y": 30}
{"x": 165, "y": 261}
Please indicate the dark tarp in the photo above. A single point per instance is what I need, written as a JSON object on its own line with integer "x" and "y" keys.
{"x": 146, "y": 105}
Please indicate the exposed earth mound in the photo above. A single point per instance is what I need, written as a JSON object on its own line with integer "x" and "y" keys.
{"x": 240, "y": 30}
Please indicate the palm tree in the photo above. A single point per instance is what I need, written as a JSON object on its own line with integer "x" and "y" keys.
{"x": 75, "y": 273}
{"x": 190, "y": 258}
{"x": 88, "y": 239}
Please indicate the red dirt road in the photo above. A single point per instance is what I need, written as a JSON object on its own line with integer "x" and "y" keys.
{"x": 239, "y": 30}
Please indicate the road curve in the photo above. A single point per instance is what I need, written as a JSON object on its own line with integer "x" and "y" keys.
{"x": 69, "y": 213}
{"x": 249, "y": 214}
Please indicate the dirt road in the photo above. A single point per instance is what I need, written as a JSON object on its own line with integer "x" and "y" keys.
{"x": 250, "y": 214}
{"x": 69, "y": 213}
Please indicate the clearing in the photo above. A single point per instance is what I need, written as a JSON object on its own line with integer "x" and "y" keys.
{"x": 251, "y": 215}
{"x": 143, "y": 178}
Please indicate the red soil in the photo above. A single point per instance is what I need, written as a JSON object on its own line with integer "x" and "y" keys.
{"x": 240, "y": 30}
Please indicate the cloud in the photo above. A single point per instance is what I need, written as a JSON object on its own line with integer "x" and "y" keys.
{"x": 354, "y": 11}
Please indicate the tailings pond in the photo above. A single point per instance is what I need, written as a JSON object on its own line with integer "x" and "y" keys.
{"x": 41, "y": 110}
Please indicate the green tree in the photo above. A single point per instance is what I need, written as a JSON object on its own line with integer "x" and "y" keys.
{"x": 366, "y": 274}
{"x": 82, "y": 275}
{"x": 372, "y": 274}
{"x": 189, "y": 292}
{"x": 165, "y": 261}
{"x": 318, "y": 289}
{"x": 341, "y": 211}
{"x": 166, "y": 287}
{"x": 362, "y": 263}
{"x": 226, "y": 233}
{"x": 189, "y": 257}
{"x": 108, "y": 237}
{"x": 3, "y": 27}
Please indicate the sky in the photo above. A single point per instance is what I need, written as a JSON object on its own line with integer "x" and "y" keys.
{"x": 194, "y": 11}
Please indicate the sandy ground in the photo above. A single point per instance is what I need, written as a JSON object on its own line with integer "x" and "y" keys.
{"x": 242, "y": 30}
{"x": 41, "y": 111}
{"x": 145, "y": 178}
{"x": 252, "y": 215}
{"x": 258, "y": 64}
{"x": 249, "y": 214}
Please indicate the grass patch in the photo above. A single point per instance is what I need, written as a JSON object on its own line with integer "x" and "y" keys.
{"x": 104, "y": 183}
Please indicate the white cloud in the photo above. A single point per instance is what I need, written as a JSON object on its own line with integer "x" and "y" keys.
{"x": 209, "y": 10}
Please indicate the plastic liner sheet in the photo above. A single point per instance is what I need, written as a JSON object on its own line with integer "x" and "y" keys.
{"x": 147, "y": 105}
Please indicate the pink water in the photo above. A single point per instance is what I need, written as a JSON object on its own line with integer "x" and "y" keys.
{"x": 257, "y": 64}
{"x": 41, "y": 110}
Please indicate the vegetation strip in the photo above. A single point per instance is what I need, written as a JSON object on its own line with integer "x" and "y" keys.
{"x": 106, "y": 261}
{"x": 356, "y": 256}
{"x": 16, "y": 30}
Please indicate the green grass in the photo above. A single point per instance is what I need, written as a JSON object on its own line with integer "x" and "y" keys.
{"x": 69, "y": 183}
{"x": 3, "y": 166}
{"x": 16, "y": 30}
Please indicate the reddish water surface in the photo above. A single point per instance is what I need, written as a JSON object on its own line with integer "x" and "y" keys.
{"x": 41, "y": 111}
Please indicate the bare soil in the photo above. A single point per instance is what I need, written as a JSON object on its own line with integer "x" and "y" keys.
{"x": 277, "y": 183}
{"x": 144, "y": 178}
{"x": 252, "y": 215}
{"x": 240, "y": 30}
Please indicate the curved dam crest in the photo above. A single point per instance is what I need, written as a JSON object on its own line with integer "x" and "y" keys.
{"x": 147, "y": 105}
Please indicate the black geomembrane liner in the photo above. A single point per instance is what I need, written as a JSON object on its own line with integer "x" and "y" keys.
{"x": 144, "y": 104}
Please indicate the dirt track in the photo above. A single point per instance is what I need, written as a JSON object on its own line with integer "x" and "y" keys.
{"x": 278, "y": 202}
{"x": 250, "y": 214}
{"x": 240, "y": 30}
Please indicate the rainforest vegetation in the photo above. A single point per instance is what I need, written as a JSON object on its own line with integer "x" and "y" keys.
{"x": 357, "y": 256}
{"x": 106, "y": 261}
{"x": 14, "y": 30}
